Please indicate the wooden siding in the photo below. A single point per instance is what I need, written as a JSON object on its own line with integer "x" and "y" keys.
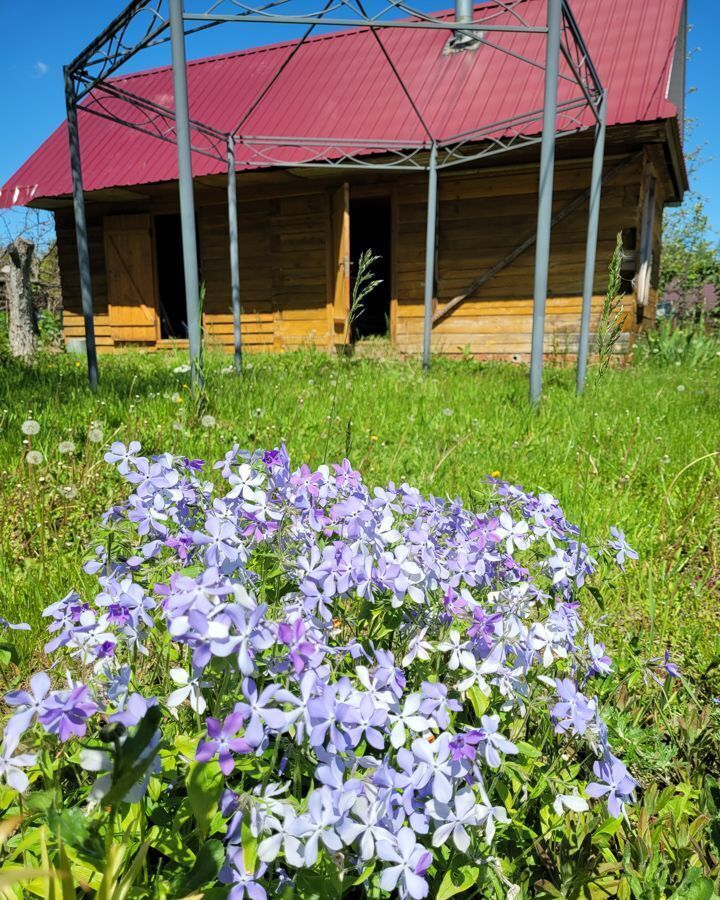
{"x": 480, "y": 221}
{"x": 288, "y": 258}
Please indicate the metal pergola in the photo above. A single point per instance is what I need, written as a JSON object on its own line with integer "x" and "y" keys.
{"x": 149, "y": 23}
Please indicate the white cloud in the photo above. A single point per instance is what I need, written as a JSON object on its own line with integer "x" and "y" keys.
{"x": 40, "y": 69}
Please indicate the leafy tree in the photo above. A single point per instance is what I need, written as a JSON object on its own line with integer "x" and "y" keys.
{"x": 690, "y": 249}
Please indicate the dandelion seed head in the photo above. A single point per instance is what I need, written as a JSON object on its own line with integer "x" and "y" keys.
{"x": 66, "y": 447}
{"x": 208, "y": 421}
{"x": 34, "y": 458}
{"x": 30, "y": 427}
{"x": 95, "y": 435}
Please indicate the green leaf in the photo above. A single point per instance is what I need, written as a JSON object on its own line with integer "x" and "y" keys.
{"x": 694, "y": 887}
{"x": 172, "y": 844}
{"x": 206, "y": 867}
{"x": 458, "y": 880}
{"x": 478, "y": 700}
{"x": 204, "y": 787}
{"x": 133, "y": 760}
{"x": 71, "y": 824}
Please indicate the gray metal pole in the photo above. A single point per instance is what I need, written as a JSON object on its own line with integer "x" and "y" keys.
{"x": 187, "y": 203}
{"x": 234, "y": 253}
{"x": 81, "y": 230}
{"x": 430, "y": 254}
{"x": 591, "y": 246}
{"x": 545, "y": 196}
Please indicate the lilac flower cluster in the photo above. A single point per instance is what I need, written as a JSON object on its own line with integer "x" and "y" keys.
{"x": 370, "y": 657}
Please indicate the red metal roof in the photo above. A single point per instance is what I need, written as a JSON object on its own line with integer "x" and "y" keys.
{"x": 340, "y": 85}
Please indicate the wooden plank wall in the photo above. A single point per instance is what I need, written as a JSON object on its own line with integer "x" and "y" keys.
{"x": 482, "y": 217}
{"x": 481, "y": 220}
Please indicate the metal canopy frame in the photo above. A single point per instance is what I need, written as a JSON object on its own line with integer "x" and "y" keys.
{"x": 150, "y": 23}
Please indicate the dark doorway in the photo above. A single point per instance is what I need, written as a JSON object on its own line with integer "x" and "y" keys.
{"x": 371, "y": 229}
{"x": 170, "y": 276}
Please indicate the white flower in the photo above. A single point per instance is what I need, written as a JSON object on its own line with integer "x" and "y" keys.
{"x": 418, "y": 648}
{"x": 408, "y": 717}
{"x": 30, "y": 427}
{"x": 489, "y": 814}
{"x": 181, "y": 370}
{"x": 11, "y": 767}
{"x": 572, "y": 802}
{"x": 454, "y": 645}
{"x": 190, "y": 689}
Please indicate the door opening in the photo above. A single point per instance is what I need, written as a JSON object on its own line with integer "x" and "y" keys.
{"x": 171, "y": 276}
{"x": 371, "y": 229}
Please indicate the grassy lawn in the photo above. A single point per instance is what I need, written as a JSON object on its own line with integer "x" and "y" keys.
{"x": 639, "y": 450}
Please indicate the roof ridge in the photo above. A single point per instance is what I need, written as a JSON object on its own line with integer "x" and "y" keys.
{"x": 279, "y": 45}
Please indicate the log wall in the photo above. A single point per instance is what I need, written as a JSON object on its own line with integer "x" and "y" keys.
{"x": 286, "y": 268}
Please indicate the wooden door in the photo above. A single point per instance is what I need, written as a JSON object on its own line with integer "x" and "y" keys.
{"x": 129, "y": 262}
{"x": 340, "y": 262}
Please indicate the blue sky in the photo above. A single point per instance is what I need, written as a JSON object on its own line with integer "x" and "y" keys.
{"x": 37, "y": 38}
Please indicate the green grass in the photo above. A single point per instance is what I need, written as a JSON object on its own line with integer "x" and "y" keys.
{"x": 639, "y": 449}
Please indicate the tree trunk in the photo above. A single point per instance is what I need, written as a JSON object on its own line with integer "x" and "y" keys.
{"x": 23, "y": 328}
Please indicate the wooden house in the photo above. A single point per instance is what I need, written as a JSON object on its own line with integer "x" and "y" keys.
{"x": 302, "y": 229}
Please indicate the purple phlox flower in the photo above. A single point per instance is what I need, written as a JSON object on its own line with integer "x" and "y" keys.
{"x": 613, "y": 781}
{"x": 435, "y": 760}
{"x": 483, "y": 627}
{"x": 66, "y": 612}
{"x": 455, "y": 818}
{"x": 316, "y": 826}
{"x": 292, "y": 635}
{"x": 251, "y": 634}
{"x": 563, "y": 567}
{"x": 148, "y": 516}
{"x": 488, "y": 815}
{"x": 121, "y": 456}
{"x": 193, "y": 465}
{"x": 363, "y": 720}
{"x": 387, "y": 674}
{"x": 494, "y": 742}
{"x": 189, "y": 688}
{"x": 345, "y": 477}
{"x": 221, "y": 741}
{"x": 65, "y": 713}
{"x": 436, "y": 703}
{"x": 486, "y": 532}
{"x": 671, "y": 669}
{"x": 463, "y": 746}
{"x": 400, "y": 574}
{"x": 261, "y": 713}
{"x": 29, "y": 704}
{"x": 600, "y": 663}
{"x": 12, "y": 764}
{"x": 418, "y": 648}
{"x": 182, "y": 544}
{"x": 244, "y": 883}
{"x": 134, "y": 709}
{"x": 515, "y": 534}
{"x": 331, "y": 773}
{"x": 454, "y": 645}
{"x": 407, "y": 718}
{"x": 410, "y": 863}
{"x": 574, "y": 712}
{"x": 623, "y": 550}
{"x": 313, "y": 483}
{"x": 13, "y": 626}
{"x": 326, "y": 713}
{"x": 220, "y": 542}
